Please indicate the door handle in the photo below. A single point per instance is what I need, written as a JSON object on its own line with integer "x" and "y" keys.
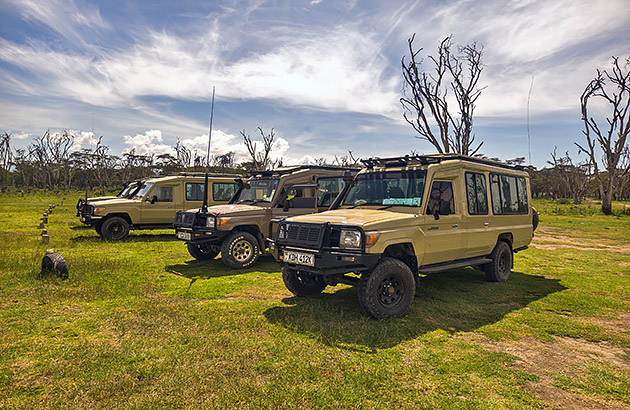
{"x": 486, "y": 224}
{"x": 454, "y": 225}
{"x": 433, "y": 228}
{"x": 169, "y": 207}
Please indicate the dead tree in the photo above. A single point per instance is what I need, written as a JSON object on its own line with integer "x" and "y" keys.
{"x": 575, "y": 178}
{"x": 612, "y": 88}
{"x": 260, "y": 159}
{"x": 184, "y": 155}
{"x": 5, "y": 159}
{"x": 426, "y": 100}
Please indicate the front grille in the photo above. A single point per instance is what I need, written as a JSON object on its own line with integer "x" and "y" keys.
{"x": 186, "y": 219}
{"x": 301, "y": 234}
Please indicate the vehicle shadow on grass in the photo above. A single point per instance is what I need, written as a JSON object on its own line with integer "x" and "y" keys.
{"x": 142, "y": 237}
{"x": 454, "y": 301}
{"x": 215, "y": 268}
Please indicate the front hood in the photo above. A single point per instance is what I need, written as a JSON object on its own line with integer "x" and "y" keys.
{"x": 101, "y": 198}
{"x": 232, "y": 209}
{"x": 359, "y": 217}
{"x": 114, "y": 202}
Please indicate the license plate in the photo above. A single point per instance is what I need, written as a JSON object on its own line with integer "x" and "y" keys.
{"x": 299, "y": 258}
{"x": 185, "y": 236}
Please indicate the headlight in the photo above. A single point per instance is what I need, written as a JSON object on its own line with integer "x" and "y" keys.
{"x": 210, "y": 221}
{"x": 99, "y": 209}
{"x": 350, "y": 238}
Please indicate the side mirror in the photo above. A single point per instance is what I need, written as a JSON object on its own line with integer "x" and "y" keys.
{"x": 436, "y": 214}
{"x": 286, "y": 205}
{"x": 154, "y": 199}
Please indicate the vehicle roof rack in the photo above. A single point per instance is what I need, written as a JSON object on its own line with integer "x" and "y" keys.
{"x": 432, "y": 159}
{"x": 201, "y": 174}
{"x": 291, "y": 169}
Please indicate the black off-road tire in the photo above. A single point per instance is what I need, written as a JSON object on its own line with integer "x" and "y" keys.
{"x": 203, "y": 251}
{"x": 115, "y": 228}
{"x": 240, "y": 250}
{"x": 302, "y": 283}
{"x": 499, "y": 269}
{"x": 535, "y": 218}
{"x": 388, "y": 290}
{"x": 98, "y": 227}
{"x": 55, "y": 263}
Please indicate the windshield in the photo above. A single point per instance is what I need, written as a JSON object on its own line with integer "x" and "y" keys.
{"x": 128, "y": 189}
{"x": 143, "y": 190}
{"x": 400, "y": 188}
{"x": 258, "y": 190}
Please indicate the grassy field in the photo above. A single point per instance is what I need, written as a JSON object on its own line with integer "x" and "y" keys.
{"x": 140, "y": 325}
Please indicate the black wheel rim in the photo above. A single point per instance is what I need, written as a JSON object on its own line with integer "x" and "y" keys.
{"x": 116, "y": 230}
{"x": 390, "y": 291}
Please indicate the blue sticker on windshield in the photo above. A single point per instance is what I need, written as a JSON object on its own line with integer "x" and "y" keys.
{"x": 402, "y": 201}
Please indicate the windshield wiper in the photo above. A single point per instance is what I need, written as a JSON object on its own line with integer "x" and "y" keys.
{"x": 386, "y": 207}
{"x": 245, "y": 200}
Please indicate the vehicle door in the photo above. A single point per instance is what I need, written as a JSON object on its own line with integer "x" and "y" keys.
{"x": 443, "y": 230}
{"x": 480, "y": 234}
{"x": 327, "y": 190}
{"x": 161, "y": 204}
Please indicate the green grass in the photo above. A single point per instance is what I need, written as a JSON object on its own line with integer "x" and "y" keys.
{"x": 139, "y": 324}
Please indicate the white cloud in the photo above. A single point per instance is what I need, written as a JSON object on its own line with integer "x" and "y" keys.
{"x": 149, "y": 143}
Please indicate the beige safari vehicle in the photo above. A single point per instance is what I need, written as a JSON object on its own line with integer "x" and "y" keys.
{"x": 406, "y": 216}
{"x": 152, "y": 203}
{"x": 239, "y": 229}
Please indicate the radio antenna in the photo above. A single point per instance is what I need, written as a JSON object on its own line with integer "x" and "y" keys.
{"x": 529, "y": 142}
{"x": 210, "y": 131}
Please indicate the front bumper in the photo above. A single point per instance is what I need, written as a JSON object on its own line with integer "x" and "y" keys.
{"x": 198, "y": 234}
{"x": 327, "y": 262}
{"x": 85, "y": 212}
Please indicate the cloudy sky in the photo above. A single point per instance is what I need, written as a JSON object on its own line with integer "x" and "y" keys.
{"x": 325, "y": 74}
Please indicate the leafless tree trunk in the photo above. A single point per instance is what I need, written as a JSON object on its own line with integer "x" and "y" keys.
{"x": 574, "y": 177}
{"x": 260, "y": 159}
{"x": 5, "y": 159}
{"x": 426, "y": 100}
{"x": 611, "y": 141}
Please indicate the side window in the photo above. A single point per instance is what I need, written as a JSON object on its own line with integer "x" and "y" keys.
{"x": 301, "y": 198}
{"x": 476, "y": 193}
{"x": 223, "y": 191}
{"x": 441, "y": 199}
{"x": 509, "y": 194}
{"x": 163, "y": 193}
{"x": 327, "y": 190}
{"x": 194, "y": 191}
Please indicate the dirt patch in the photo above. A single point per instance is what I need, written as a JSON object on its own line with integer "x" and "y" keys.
{"x": 564, "y": 356}
{"x": 550, "y": 238}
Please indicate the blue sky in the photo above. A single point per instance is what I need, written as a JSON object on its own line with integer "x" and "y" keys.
{"x": 325, "y": 74}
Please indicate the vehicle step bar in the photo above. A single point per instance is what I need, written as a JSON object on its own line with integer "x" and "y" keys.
{"x": 439, "y": 267}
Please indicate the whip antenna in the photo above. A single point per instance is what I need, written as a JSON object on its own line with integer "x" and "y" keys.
{"x": 210, "y": 131}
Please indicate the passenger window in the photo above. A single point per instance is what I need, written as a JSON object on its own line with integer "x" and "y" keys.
{"x": 441, "y": 199}
{"x": 509, "y": 194}
{"x": 163, "y": 193}
{"x": 476, "y": 193}
{"x": 194, "y": 191}
{"x": 328, "y": 189}
{"x": 301, "y": 198}
{"x": 223, "y": 191}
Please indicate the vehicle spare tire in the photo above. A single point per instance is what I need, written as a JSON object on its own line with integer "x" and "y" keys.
{"x": 54, "y": 263}
{"x": 535, "y": 218}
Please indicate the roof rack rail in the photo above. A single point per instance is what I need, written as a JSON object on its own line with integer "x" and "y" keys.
{"x": 201, "y": 174}
{"x": 433, "y": 159}
{"x": 291, "y": 169}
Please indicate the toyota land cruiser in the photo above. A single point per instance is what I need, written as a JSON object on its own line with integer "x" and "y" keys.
{"x": 406, "y": 216}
